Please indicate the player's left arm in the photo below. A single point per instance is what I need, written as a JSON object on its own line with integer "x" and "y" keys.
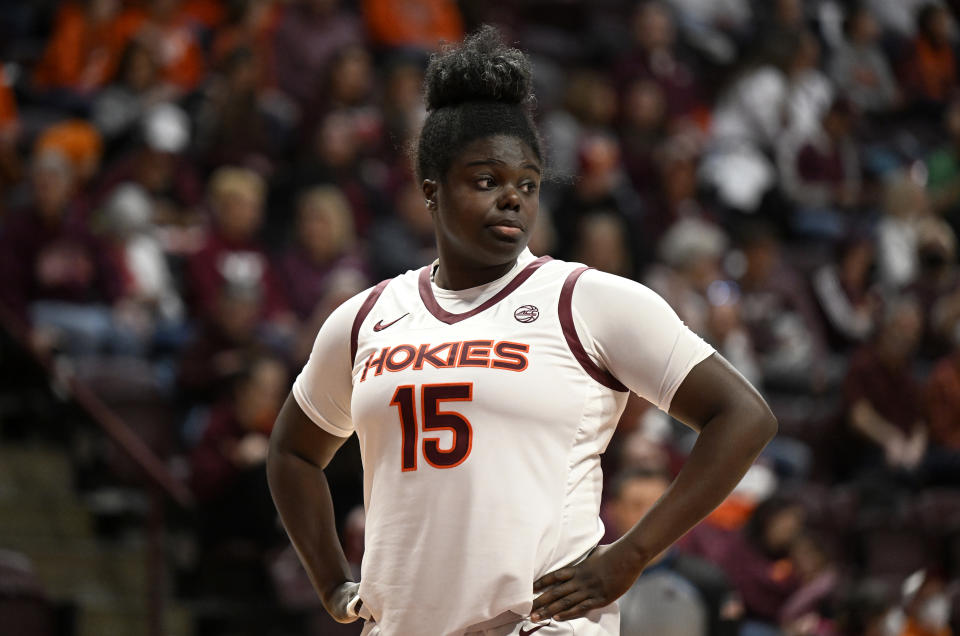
{"x": 735, "y": 424}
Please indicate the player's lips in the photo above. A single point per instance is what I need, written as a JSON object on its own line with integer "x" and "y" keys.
{"x": 508, "y": 229}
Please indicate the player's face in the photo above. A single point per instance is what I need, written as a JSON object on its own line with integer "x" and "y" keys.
{"x": 485, "y": 208}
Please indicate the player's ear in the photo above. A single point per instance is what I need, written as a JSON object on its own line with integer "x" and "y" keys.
{"x": 429, "y": 189}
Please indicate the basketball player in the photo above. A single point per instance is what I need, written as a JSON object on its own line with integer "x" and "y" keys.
{"x": 483, "y": 389}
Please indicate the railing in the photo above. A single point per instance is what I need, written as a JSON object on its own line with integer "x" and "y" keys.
{"x": 161, "y": 483}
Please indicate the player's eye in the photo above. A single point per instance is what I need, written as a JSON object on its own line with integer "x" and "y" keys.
{"x": 529, "y": 187}
{"x": 485, "y": 183}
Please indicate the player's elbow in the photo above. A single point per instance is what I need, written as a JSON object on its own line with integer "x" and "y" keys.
{"x": 759, "y": 423}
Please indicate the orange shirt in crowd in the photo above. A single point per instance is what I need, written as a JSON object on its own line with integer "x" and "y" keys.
{"x": 912, "y": 628}
{"x": 935, "y": 69}
{"x": 209, "y": 13}
{"x": 942, "y": 402}
{"x": 174, "y": 42}
{"x": 420, "y": 23}
{"x": 83, "y": 52}
{"x": 256, "y": 32}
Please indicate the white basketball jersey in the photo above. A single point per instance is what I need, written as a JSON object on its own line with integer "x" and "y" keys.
{"x": 480, "y": 435}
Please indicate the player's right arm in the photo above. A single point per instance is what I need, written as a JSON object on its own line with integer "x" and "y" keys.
{"x": 313, "y": 423}
{"x": 299, "y": 451}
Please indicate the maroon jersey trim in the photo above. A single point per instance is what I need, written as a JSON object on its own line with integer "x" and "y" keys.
{"x": 364, "y": 311}
{"x": 441, "y": 314}
{"x": 573, "y": 340}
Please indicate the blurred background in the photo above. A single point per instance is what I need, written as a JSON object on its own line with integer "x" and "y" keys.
{"x": 189, "y": 187}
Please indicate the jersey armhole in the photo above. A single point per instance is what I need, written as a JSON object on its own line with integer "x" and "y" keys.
{"x": 362, "y": 314}
{"x": 565, "y": 313}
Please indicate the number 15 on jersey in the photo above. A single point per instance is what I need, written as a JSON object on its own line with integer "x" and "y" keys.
{"x": 433, "y": 419}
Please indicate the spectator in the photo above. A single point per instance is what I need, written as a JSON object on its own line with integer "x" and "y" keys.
{"x": 602, "y": 186}
{"x": 931, "y": 71}
{"x": 85, "y": 47}
{"x": 231, "y": 252}
{"x": 249, "y": 24}
{"x": 348, "y": 90}
{"x": 308, "y": 34}
{"x": 590, "y": 105}
{"x": 416, "y": 24}
{"x": 752, "y": 114}
{"x": 138, "y": 85}
{"x": 882, "y": 400}
{"x": 602, "y": 244}
{"x": 58, "y": 278}
{"x": 690, "y": 254}
{"x": 808, "y": 611}
{"x": 937, "y": 286}
{"x": 780, "y": 316}
{"x": 859, "y": 68}
{"x": 235, "y": 123}
{"x": 656, "y": 56}
{"x": 169, "y": 32}
{"x": 677, "y": 194}
{"x": 844, "y": 289}
{"x": 325, "y": 245}
{"x": 221, "y": 345}
{"x": 79, "y": 142}
{"x": 228, "y": 471}
{"x": 160, "y": 165}
{"x": 820, "y": 172}
{"x": 904, "y": 204}
{"x": 148, "y": 283}
{"x": 758, "y": 563}
{"x": 643, "y": 123}
{"x": 335, "y": 155}
{"x": 677, "y": 593}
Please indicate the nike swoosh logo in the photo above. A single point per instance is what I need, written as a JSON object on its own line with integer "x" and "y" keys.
{"x": 525, "y": 632}
{"x": 380, "y": 326}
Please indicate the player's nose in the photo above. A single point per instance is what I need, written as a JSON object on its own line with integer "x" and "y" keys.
{"x": 509, "y": 199}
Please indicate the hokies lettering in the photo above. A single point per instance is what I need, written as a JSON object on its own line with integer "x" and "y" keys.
{"x": 503, "y": 354}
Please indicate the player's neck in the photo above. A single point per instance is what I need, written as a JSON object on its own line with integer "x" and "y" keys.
{"x": 450, "y": 276}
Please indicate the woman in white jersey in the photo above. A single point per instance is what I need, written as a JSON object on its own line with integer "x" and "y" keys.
{"x": 483, "y": 389}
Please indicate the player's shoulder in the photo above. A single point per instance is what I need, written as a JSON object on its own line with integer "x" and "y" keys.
{"x": 591, "y": 283}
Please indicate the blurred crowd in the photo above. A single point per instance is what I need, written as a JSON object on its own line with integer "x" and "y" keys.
{"x": 197, "y": 184}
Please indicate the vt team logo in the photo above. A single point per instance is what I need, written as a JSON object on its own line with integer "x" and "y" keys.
{"x": 526, "y": 313}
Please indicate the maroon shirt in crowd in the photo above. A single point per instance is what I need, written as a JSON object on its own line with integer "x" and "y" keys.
{"x": 891, "y": 392}
{"x": 220, "y": 258}
{"x": 677, "y": 79}
{"x": 61, "y": 262}
{"x": 764, "y": 584}
{"x": 305, "y": 280}
{"x": 212, "y": 470}
{"x": 821, "y": 166}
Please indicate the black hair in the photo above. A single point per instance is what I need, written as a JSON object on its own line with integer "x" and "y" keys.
{"x": 481, "y": 88}
{"x": 756, "y": 527}
{"x": 925, "y": 16}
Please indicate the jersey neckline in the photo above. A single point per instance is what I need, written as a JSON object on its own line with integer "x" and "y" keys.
{"x": 441, "y": 314}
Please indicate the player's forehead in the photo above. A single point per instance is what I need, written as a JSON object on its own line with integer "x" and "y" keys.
{"x": 498, "y": 150}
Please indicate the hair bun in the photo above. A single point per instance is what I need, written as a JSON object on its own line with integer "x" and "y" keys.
{"x": 482, "y": 68}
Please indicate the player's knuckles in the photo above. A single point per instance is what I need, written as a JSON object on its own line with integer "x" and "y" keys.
{"x": 580, "y": 610}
